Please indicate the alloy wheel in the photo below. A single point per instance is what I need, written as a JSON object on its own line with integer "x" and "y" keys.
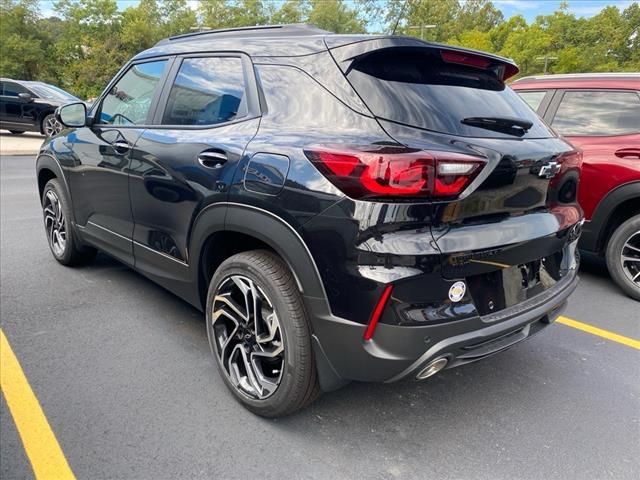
{"x": 247, "y": 336}
{"x": 630, "y": 258}
{"x": 55, "y": 223}
{"x": 52, "y": 126}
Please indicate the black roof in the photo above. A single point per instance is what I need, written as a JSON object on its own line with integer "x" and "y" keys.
{"x": 274, "y": 41}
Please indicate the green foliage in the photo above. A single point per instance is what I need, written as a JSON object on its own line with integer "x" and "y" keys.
{"x": 84, "y": 44}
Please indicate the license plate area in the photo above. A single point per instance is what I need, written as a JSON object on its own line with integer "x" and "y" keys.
{"x": 506, "y": 287}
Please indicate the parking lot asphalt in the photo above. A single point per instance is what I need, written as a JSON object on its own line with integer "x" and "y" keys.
{"x": 123, "y": 373}
{"x": 27, "y": 143}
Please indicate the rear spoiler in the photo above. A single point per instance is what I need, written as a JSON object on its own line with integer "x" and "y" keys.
{"x": 345, "y": 50}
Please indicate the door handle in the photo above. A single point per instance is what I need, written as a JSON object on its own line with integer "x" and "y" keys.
{"x": 120, "y": 147}
{"x": 212, "y": 159}
{"x": 628, "y": 152}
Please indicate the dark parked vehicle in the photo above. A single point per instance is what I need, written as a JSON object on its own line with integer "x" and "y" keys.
{"x": 27, "y": 106}
{"x": 368, "y": 208}
{"x": 600, "y": 114}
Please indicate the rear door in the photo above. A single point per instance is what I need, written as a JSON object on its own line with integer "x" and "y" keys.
{"x": 186, "y": 160}
{"x": 605, "y": 124}
{"x": 515, "y": 214}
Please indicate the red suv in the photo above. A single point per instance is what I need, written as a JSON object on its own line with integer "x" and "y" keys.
{"x": 600, "y": 113}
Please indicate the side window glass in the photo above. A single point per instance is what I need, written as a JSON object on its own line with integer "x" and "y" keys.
{"x": 130, "y": 98}
{"x": 207, "y": 91}
{"x": 598, "y": 113}
{"x": 13, "y": 89}
{"x": 532, "y": 98}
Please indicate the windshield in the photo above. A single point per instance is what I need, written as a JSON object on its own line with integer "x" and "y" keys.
{"x": 415, "y": 87}
{"x": 51, "y": 93}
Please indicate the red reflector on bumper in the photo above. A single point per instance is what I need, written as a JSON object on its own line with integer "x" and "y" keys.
{"x": 377, "y": 312}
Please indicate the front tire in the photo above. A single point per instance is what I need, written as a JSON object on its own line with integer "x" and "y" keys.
{"x": 57, "y": 225}
{"x": 623, "y": 257}
{"x": 259, "y": 334}
{"x": 50, "y": 126}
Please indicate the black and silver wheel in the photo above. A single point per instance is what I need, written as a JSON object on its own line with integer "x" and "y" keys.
{"x": 623, "y": 256}
{"x": 55, "y": 210}
{"x": 55, "y": 223}
{"x": 51, "y": 126}
{"x": 259, "y": 335}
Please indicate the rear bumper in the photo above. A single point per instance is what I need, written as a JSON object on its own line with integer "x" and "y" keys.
{"x": 398, "y": 352}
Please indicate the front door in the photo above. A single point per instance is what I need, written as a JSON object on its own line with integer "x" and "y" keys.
{"x": 187, "y": 161}
{"x": 98, "y": 178}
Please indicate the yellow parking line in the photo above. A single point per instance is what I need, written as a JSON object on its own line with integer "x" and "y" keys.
{"x": 614, "y": 337}
{"x": 40, "y": 444}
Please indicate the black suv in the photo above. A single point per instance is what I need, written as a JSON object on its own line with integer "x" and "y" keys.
{"x": 368, "y": 208}
{"x": 30, "y": 106}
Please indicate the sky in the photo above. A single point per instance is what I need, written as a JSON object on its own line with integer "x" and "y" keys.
{"x": 527, "y": 8}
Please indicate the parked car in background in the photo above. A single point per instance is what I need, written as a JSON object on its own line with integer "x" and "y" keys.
{"x": 600, "y": 113}
{"x": 321, "y": 197}
{"x": 30, "y": 106}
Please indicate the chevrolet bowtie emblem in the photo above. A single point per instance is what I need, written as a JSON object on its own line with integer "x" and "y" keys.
{"x": 548, "y": 170}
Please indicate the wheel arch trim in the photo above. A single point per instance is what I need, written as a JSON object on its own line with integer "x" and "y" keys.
{"x": 595, "y": 229}
{"x": 265, "y": 226}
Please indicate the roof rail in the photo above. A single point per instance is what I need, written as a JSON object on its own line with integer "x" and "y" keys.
{"x": 293, "y": 29}
{"x": 559, "y": 76}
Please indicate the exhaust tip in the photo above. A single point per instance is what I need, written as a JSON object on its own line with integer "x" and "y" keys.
{"x": 432, "y": 368}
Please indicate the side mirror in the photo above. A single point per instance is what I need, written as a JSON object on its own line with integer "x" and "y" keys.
{"x": 72, "y": 115}
{"x": 26, "y": 97}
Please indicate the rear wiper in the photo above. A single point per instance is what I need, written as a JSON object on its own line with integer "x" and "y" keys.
{"x": 513, "y": 126}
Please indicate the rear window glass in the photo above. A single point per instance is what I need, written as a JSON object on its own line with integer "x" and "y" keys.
{"x": 598, "y": 113}
{"x": 415, "y": 87}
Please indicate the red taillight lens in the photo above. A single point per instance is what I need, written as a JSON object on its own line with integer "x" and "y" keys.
{"x": 383, "y": 172}
{"x": 502, "y": 70}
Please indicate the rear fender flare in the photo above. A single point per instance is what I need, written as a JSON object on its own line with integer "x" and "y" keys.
{"x": 593, "y": 236}
{"x": 266, "y": 227}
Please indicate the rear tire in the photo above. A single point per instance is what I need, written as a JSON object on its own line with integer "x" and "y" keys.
{"x": 623, "y": 257}
{"x": 268, "y": 363}
{"x": 57, "y": 225}
{"x": 17, "y": 132}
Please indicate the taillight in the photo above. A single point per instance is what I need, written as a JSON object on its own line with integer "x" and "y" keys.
{"x": 384, "y": 172}
{"x": 503, "y": 70}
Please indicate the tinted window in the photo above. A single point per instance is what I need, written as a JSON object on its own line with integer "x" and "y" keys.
{"x": 129, "y": 100}
{"x": 13, "y": 89}
{"x": 533, "y": 99}
{"x": 206, "y": 91}
{"x": 52, "y": 93}
{"x": 598, "y": 113}
{"x": 414, "y": 86}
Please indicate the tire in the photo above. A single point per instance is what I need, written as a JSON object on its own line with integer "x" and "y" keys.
{"x": 58, "y": 228}
{"x": 50, "y": 127}
{"x": 285, "y": 361}
{"x": 17, "y": 132}
{"x": 625, "y": 241}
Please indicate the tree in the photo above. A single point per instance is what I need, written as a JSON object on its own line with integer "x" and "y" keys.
{"x": 335, "y": 16}
{"x": 24, "y": 51}
{"x": 89, "y": 50}
{"x": 291, "y": 11}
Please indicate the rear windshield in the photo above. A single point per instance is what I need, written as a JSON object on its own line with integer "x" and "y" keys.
{"x": 414, "y": 86}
